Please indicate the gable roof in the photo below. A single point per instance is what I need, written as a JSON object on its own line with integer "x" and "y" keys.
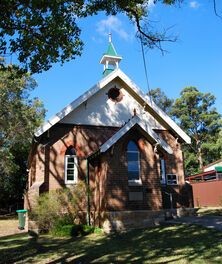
{"x": 144, "y": 126}
{"x": 211, "y": 164}
{"x": 145, "y": 100}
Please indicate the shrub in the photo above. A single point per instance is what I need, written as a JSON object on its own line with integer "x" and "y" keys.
{"x": 58, "y": 208}
{"x": 67, "y": 230}
{"x": 47, "y": 210}
{"x": 74, "y": 230}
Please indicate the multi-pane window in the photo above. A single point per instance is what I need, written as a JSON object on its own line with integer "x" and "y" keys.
{"x": 133, "y": 162}
{"x": 172, "y": 179}
{"x": 71, "y": 170}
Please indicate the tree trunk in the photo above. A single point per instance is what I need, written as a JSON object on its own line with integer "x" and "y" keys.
{"x": 200, "y": 158}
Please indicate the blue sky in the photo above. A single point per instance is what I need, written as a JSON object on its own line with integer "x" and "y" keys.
{"x": 194, "y": 60}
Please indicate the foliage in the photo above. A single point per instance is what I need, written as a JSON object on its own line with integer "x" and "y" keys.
{"x": 195, "y": 113}
{"x": 19, "y": 116}
{"x": 44, "y": 32}
{"x": 58, "y": 208}
{"x": 66, "y": 230}
{"x": 74, "y": 230}
{"x": 219, "y": 142}
{"x": 160, "y": 99}
{"x": 47, "y": 210}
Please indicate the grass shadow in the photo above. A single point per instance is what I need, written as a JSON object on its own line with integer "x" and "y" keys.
{"x": 164, "y": 244}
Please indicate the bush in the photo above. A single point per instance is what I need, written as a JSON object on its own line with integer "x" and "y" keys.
{"x": 67, "y": 230}
{"x": 74, "y": 230}
{"x": 58, "y": 208}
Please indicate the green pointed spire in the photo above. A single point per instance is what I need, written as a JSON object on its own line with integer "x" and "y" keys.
{"x": 111, "y": 50}
{"x": 110, "y": 59}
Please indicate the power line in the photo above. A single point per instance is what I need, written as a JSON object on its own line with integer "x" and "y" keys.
{"x": 145, "y": 68}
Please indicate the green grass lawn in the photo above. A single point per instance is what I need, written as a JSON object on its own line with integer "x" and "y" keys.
{"x": 210, "y": 211}
{"x": 163, "y": 244}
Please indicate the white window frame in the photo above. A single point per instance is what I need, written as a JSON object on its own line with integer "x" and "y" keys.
{"x": 134, "y": 182}
{"x": 74, "y": 181}
{"x": 163, "y": 171}
{"x": 170, "y": 183}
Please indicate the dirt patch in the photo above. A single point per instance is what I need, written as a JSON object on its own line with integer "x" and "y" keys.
{"x": 9, "y": 226}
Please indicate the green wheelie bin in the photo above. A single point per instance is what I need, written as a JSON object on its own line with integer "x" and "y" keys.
{"x": 21, "y": 218}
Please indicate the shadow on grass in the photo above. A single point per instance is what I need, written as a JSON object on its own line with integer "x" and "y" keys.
{"x": 159, "y": 244}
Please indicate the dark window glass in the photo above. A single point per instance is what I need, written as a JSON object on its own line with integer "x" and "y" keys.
{"x": 70, "y": 151}
{"x": 171, "y": 179}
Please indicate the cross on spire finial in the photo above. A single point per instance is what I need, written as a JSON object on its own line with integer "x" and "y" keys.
{"x": 110, "y": 37}
{"x": 110, "y": 59}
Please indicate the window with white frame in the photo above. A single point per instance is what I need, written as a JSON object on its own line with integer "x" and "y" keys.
{"x": 172, "y": 179}
{"x": 71, "y": 170}
{"x": 133, "y": 159}
{"x": 162, "y": 171}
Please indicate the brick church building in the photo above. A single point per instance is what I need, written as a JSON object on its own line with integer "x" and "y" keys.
{"x": 121, "y": 143}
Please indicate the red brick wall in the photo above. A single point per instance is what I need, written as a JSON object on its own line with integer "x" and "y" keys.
{"x": 116, "y": 188}
{"x": 181, "y": 193}
{"x": 108, "y": 172}
{"x": 174, "y": 163}
{"x": 48, "y": 160}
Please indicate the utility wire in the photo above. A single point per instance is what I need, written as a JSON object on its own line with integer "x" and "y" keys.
{"x": 145, "y": 68}
{"x": 146, "y": 74}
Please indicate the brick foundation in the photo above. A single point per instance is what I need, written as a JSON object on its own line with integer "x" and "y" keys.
{"x": 123, "y": 220}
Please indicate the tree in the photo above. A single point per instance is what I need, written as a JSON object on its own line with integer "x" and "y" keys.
{"x": 195, "y": 113}
{"x": 160, "y": 99}
{"x": 19, "y": 116}
{"x": 44, "y": 32}
{"x": 219, "y": 142}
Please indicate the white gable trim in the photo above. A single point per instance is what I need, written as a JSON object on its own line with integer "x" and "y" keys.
{"x": 112, "y": 58}
{"x": 69, "y": 108}
{"x": 65, "y": 111}
{"x": 145, "y": 99}
{"x": 136, "y": 120}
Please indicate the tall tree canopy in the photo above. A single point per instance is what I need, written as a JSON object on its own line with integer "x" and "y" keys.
{"x": 160, "y": 99}
{"x": 44, "y": 32}
{"x": 19, "y": 116}
{"x": 195, "y": 113}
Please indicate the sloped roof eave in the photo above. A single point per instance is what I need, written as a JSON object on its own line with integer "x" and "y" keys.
{"x": 74, "y": 104}
{"x": 145, "y": 127}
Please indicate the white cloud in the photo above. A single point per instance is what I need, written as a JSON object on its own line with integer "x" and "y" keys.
{"x": 112, "y": 24}
{"x": 194, "y": 4}
{"x": 151, "y": 3}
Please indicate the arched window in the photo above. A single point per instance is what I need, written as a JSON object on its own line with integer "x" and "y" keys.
{"x": 133, "y": 158}
{"x": 71, "y": 170}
